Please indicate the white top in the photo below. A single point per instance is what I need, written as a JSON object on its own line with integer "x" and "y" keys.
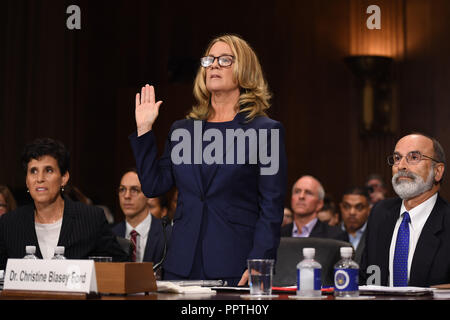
{"x": 419, "y": 215}
{"x": 48, "y": 236}
{"x": 142, "y": 229}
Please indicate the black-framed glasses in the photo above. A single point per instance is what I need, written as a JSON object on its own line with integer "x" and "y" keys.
{"x": 413, "y": 157}
{"x": 134, "y": 191}
{"x": 225, "y": 60}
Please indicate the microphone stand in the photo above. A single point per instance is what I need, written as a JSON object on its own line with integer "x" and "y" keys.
{"x": 165, "y": 222}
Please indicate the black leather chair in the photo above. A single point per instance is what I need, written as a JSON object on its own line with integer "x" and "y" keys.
{"x": 126, "y": 246}
{"x": 290, "y": 253}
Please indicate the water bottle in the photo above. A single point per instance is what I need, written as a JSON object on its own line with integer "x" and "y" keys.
{"x": 309, "y": 282}
{"x": 346, "y": 275}
{"x": 59, "y": 253}
{"x": 30, "y": 252}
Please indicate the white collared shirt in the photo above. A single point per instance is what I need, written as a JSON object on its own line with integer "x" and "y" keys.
{"x": 306, "y": 229}
{"x": 419, "y": 215}
{"x": 143, "y": 230}
{"x": 354, "y": 240}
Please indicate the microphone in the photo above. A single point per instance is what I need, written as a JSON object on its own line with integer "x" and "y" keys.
{"x": 164, "y": 221}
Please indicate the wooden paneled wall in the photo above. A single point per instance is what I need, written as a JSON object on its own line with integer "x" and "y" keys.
{"x": 79, "y": 86}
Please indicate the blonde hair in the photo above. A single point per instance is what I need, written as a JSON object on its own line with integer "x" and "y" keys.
{"x": 254, "y": 93}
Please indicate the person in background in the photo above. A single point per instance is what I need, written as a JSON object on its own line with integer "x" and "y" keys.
{"x": 306, "y": 202}
{"x": 52, "y": 220}
{"x": 288, "y": 217}
{"x": 158, "y": 206}
{"x": 75, "y": 194}
{"x": 7, "y": 201}
{"x": 408, "y": 237}
{"x": 144, "y": 230}
{"x": 376, "y": 188}
{"x": 355, "y": 210}
{"x": 328, "y": 213}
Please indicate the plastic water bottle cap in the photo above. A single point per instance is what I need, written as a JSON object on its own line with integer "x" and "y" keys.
{"x": 346, "y": 252}
{"x": 30, "y": 249}
{"x": 59, "y": 250}
{"x": 309, "y": 252}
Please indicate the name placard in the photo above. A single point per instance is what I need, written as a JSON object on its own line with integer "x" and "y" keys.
{"x": 50, "y": 275}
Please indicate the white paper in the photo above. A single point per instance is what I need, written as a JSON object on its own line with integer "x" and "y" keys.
{"x": 395, "y": 290}
{"x": 168, "y": 286}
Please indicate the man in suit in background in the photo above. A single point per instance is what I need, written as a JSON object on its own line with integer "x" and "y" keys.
{"x": 355, "y": 208}
{"x": 408, "y": 237}
{"x": 306, "y": 201}
{"x": 143, "y": 229}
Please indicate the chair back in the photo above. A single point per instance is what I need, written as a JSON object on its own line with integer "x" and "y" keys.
{"x": 290, "y": 253}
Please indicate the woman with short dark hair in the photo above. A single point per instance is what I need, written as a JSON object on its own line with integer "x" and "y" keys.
{"x": 52, "y": 220}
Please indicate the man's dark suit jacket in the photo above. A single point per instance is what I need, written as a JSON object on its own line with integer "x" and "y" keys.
{"x": 431, "y": 260}
{"x": 320, "y": 230}
{"x": 84, "y": 232}
{"x": 360, "y": 249}
{"x": 154, "y": 248}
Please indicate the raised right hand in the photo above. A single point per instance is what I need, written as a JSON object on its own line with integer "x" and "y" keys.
{"x": 146, "y": 109}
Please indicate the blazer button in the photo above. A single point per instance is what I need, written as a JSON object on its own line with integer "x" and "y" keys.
{"x": 202, "y": 198}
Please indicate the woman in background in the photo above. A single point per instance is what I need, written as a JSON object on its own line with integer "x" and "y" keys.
{"x": 7, "y": 201}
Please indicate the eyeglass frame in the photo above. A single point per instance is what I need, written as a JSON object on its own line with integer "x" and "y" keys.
{"x": 134, "y": 190}
{"x": 422, "y": 156}
{"x": 233, "y": 58}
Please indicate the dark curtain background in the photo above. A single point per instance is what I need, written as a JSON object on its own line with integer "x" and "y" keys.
{"x": 78, "y": 86}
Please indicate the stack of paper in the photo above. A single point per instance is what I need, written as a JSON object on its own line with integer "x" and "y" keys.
{"x": 413, "y": 291}
{"x": 168, "y": 286}
{"x": 442, "y": 291}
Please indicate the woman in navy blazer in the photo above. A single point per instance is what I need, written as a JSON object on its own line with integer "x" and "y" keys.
{"x": 228, "y": 162}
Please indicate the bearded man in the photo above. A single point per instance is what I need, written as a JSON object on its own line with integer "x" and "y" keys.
{"x": 408, "y": 237}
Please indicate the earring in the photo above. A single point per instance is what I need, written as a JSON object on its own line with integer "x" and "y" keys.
{"x": 62, "y": 188}
{"x": 28, "y": 190}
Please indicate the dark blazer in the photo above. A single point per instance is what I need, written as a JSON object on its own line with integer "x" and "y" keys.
{"x": 361, "y": 246}
{"x": 431, "y": 260}
{"x": 320, "y": 230}
{"x": 84, "y": 232}
{"x": 237, "y": 211}
{"x": 154, "y": 248}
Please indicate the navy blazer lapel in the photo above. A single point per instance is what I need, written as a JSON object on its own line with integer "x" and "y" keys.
{"x": 67, "y": 223}
{"x": 238, "y": 121}
{"x": 386, "y": 231}
{"x": 197, "y": 153}
{"x": 427, "y": 245}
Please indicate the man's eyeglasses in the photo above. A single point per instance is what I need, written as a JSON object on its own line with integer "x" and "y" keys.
{"x": 224, "y": 60}
{"x": 413, "y": 157}
{"x": 134, "y": 191}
